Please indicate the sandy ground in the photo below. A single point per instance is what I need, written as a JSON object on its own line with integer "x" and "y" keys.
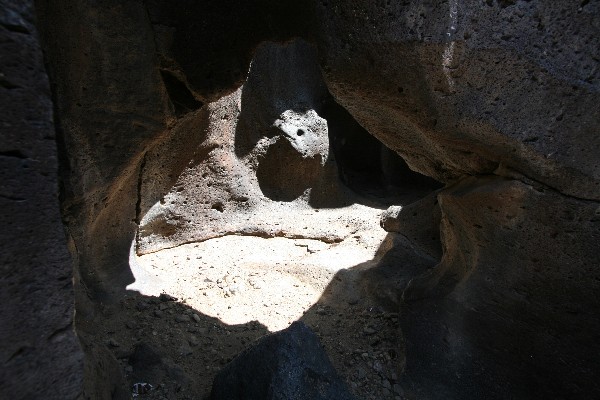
{"x": 220, "y": 295}
{"x": 239, "y": 279}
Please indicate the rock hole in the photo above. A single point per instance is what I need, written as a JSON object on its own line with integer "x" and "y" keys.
{"x": 182, "y": 98}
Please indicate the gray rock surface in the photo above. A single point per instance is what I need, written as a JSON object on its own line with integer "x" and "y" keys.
{"x": 254, "y": 157}
{"x": 472, "y": 87}
{"x": 112, "y": 105}
{"x": 501, "y": 96}
{"x": 290, "y": 365}
{"x": 512, "y": 308}
{"x": 40, "y": 356}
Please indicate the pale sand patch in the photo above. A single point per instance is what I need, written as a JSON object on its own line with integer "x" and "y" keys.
{"x": 238, "y": 279}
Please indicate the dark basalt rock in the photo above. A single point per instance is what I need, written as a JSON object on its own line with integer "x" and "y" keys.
{"x": 40, "y": 356}
{"x": 462, "y": 88}
{"x": 288, "y": 365}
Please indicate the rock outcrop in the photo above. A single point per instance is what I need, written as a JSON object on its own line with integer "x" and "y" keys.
{"x": 511, "y": 309}
{"x": 489, "y": 89}
{"x": 112, "y": 106}
{"x": 254, "y": 157}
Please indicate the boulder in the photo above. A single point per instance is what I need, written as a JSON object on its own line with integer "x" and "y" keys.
{"x": 290, "y": 365}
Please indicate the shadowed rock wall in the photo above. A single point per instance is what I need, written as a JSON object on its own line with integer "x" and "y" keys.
{"x": 490, "y": 89}
{"x": 472, "y": 87}
{"x": 461, "y": 89}
{"x": 112, "y": 105}
{"x": 40, "y": 356}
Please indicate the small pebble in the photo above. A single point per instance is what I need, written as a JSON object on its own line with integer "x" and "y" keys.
{"x": 377, "y": 366}
{"x": 369, "y": 331}
{"x": 398, "y": 390}
{"x": 182, "y": 318}
{"x": 166, "y": 297}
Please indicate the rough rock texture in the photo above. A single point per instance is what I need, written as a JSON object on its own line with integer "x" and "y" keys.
{"x": 419, "y": 222}
{"x": 472, "y": 87}
{"x": 508, "y": 88}
{"x": 515, "y": 310}
{"x": 39, "y": 353}
{"x": 290, "y": 365}
{"x": 460, "y": 88}
{"x": 256, "y": 157}
{"x": 112, "y": 105}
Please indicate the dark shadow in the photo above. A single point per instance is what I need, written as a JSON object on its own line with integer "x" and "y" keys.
{"x": 178, "y": 350}
{"x": 283, "y": 174}
{"x": 182, "y": 99}
{"x": 161, "y": 342}
{"x": 367, "y": 166}
{"x": 213, "y": 42}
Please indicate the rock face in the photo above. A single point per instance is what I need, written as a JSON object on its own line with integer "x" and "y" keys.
{"x": 472, "y": 87}
{"x": 497, "y": 99}
{"x": 290, "y": 364}
{"x": 501, "y": 88}
{"x": 113, "y": 105}
{"x": 513, "y": 301}
{"x": 419, "y": 222}
{"x": 254, "y": 157}
{"x": 39, "y": 353}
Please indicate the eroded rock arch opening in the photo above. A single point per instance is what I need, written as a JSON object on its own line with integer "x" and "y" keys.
{"x": 159, "y": 146}
{"x": 259, "y": 209}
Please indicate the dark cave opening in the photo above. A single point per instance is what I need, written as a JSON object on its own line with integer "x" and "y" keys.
{"x": 365, "y": 164}
{"x": 181, "y": 97}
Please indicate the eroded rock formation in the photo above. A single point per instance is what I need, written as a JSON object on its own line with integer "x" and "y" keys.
{"x": 262, "y": 153}
{"x": 496, "y": 99}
